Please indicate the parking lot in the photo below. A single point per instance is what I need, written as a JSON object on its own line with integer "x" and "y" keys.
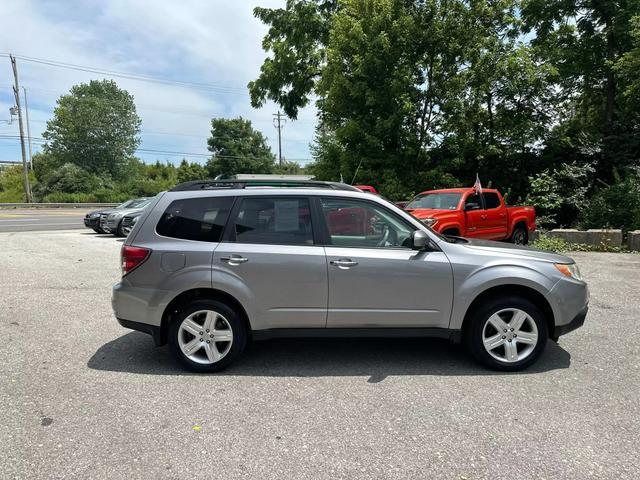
{"x": 83, "y": 397}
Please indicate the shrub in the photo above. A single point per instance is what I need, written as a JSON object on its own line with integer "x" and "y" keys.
{"x": 617, "y": 205}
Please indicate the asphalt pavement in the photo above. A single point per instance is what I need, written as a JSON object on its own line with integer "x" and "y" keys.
{"x": 41, "y": 219}
{"x": 83, "y": 397}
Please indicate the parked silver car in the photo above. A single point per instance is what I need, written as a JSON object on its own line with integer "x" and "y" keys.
{"x": 111, "y": 222}
{"x": 208, "y": 265}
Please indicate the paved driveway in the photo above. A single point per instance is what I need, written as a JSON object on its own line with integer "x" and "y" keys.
{"x": 84, "y": 398}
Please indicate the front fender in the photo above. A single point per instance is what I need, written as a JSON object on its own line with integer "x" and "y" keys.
{"x": 469, "y": 286}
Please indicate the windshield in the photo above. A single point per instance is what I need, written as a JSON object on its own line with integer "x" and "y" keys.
{"x": 437, "y": 201}
{"x": 125, "y": 204}
{"x": 140, "y": 202}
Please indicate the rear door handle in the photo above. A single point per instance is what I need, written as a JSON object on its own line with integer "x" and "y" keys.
{"x": 234, "y": 259}
{"x": 343, "y": 263}
{"x": 483, "y": 217}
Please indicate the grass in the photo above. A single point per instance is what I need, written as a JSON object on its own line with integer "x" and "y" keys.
{"x": 558, "y": 245}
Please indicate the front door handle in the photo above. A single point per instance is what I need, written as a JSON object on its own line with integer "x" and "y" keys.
{"x": 234, "y": 259}
{"x": 343, "y": 263}
{"x": 483, "y": 217}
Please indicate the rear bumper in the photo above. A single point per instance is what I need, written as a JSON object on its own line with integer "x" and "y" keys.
{"x": 143, "y": 327}
{"x": 576, "y": 322}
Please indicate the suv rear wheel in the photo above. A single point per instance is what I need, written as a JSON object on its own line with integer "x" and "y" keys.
{"x": 507, "y": 333}
{"x": 207, "y": 336}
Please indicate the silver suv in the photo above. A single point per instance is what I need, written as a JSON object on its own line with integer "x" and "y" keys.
{"x": 211, "y": 264}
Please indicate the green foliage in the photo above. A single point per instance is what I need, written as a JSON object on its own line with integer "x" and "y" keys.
{"x": 191, "y": 171}
{"x": 68, "y": 179}
{"x": 237, "y": 148}
{"x": 617, "y": 205}
{"x": 558, "y": 245}
{"x": 539, "y": 97}
{"x": 296, "y": 36}
{"x": 559, "y": 195}
{"x": 550, "y": 244}
{"x": 12, "y": 186}
{"x": 94, "y": 127}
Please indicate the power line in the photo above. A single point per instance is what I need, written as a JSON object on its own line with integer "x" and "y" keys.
{"x": 143, "y": 107}
{"x": 134, "y": 76}
{"x": 43, "y": 141}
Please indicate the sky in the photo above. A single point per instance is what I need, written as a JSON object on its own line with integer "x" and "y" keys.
{"x": 213, "y": 42}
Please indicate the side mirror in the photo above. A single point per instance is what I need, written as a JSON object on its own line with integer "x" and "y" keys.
{"x": 419, "y": 240}
{"x": 471, "y": 206}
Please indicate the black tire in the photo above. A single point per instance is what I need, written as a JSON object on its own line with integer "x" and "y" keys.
{"x": 451, "y": 232}
{"x": 235, "y": 322}
{"x": 119, "y": 232}
{"x": 97, "y": 229}
{"x": 474, "y": 332}
{"x": 519, "y": 236}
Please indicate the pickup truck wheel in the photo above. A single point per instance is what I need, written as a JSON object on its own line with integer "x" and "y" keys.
{"x": 519, "y": 236}
{"x": 206, "y": 336}
{"x": 507, "y": 333}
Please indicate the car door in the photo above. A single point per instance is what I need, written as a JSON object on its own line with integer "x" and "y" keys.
{"x": 375, "y": 278}
{"x": 268, "y": 249}
{"x": 496, "y": 216}
{"x": 475, "y": 216}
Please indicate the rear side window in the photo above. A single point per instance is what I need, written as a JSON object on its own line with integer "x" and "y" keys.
{"x": 201, "y": 219}
{"x": 274, "y": 221}
{"x": 491, "y": 200}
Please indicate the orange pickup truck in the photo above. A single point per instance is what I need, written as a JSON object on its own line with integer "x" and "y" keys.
{"x": 466, "y": 213}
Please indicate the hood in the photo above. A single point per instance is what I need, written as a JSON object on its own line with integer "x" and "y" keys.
{"x": 134, "y": 212}
{"x": 98, "y": 212}
{"x": 502, "y": 248}
{"x": 428, "y": 212}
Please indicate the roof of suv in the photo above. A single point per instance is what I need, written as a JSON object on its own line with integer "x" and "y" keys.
{"x": 250, "y": 183}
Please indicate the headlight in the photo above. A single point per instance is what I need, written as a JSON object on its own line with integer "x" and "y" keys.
{"x": 94, "y": 215}
{"x": 112, "y": 216}
{"x": 569, "y": 269}
{"x": 134, "y": 220}
{"x": 429, "y": 222}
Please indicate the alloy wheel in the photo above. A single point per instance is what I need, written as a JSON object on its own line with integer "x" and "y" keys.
{"x": 510, "y": 335}
{"x": 205, "y": 337}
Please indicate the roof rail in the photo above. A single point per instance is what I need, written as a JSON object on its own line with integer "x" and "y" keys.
{"x": 247, "y": 183}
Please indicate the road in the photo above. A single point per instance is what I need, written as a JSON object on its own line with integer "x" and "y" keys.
{"x": 83, "y": 397}
{"x": 32, "y": 219}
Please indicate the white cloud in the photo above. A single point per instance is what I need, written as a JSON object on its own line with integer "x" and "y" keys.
{"x": 215, "y": 42}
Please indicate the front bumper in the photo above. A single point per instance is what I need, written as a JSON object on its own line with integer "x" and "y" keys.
{"x": 569, "y": 300}
{"x": 92, "y": 222}
{"x": 577, "y": 322}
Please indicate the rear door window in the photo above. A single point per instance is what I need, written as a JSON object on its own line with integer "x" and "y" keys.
{"x": 201, "y": 219}
{"x": 491, "y": 200}
{"x": 274, "y": 221}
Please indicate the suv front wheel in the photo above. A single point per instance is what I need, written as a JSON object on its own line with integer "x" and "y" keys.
{"x": 507, "y": 333}
{"x": 207, "y": 336}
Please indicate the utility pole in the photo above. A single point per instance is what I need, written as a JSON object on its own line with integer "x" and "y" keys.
{"x": 26, "y": 111}
{"x": 278, "y": 122}
{"x": 16, "y": 93}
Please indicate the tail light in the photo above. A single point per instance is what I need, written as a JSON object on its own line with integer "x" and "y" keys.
{"x": 132, "y": 257}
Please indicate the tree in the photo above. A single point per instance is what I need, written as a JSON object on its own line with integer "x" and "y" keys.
{"x": 191, "y": 171}
{"x": 237, "y": 148}
{"x": 94, "y": 127}
{"x": 585, "y": 41}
